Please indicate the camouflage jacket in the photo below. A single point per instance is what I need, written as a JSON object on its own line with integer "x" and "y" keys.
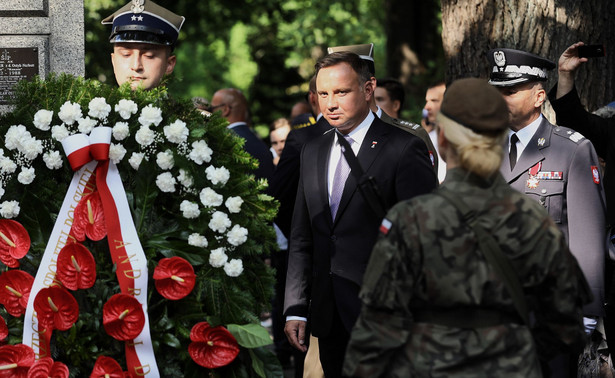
{"x": 427, "y": 258}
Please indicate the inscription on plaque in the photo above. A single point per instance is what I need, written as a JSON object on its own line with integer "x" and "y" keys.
{"x": 16, "y": 64}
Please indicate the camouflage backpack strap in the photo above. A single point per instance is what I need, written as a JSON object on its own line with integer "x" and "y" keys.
{"x": 492, "y": 252}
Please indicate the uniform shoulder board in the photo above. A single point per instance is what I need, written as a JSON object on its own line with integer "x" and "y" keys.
{"x": 567, "y": 133}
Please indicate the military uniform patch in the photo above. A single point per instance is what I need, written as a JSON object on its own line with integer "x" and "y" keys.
{"x": 385, "y": 226}
{"x": 596, "y": 174}
{"x": 541, "y": 142}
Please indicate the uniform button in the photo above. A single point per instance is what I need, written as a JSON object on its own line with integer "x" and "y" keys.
{"x": 544, "y": 191}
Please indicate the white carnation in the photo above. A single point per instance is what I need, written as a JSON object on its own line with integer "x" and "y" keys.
{"x": 1, "y": 191}
{"x": 59, "y": 132}
{"x": 145, "y": 136}
{"x": 135, "y": 160}
{"x": 42, "y": 119}
{"x": 200, "y": 152}
{"x": 116, "y": 153}
{"x": 209, "y": 198}
{"x": 126, "y": 108}
{"x": 86, "y": 124}
{"x": 150, "y": 115}
{"x": 177, "y": 132}
{"x": 237, "y": 235}
{"x": 15, "y": 135}
{"x": 52, "y": 159}
{"x": 99, "y": 108}
{"x": 233, "y": 268}
{"x": 197, "y": 240}
{"x": 219, "y": 222}
{"x": 31, "y": 148}
{"x": 185, "y": 179}
{"x": 165, "y": 160}
{"x": 7, "y": 165}
{"x": 9, "y": 209}
{"x": 166, "y": 182}
{"x": 26, "y": 176}
{"x": 121, "y": 131}
{"x": 217, "y": 258}
{"x": 70, "y": 112}
{"x": 217, "y": 175}
{"x": 189, "y": 209}
{"x": 233, "y": 204}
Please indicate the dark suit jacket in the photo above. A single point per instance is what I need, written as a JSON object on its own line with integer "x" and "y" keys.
{"x": 327, "y": 258}
{"x": 258, "y": 149}
{"x": 283, "y": 185}
{"x": 574, "y": 198}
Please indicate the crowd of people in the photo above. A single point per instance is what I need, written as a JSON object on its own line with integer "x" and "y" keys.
{"x": 475, "y": 242}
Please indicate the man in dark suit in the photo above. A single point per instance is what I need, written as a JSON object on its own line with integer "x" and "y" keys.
{"x": 557, "y": 167}
{"x": 234, "y": 107}
{"x": 334, "y": 228}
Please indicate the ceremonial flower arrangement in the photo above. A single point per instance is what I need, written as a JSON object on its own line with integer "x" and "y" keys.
{"x": 132, "y": 237}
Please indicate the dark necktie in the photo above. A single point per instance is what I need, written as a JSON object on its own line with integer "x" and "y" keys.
{"x": 513, "y": 151}
{"x": 339, "y": 180}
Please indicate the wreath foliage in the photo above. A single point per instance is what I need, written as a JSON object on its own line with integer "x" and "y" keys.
{"x": 219, "y": 297}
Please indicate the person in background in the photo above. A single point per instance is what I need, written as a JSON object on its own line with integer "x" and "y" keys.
{"x": 328, "y": 248}
{"x": 277, "y": 136}
{"x": 390, "y": 96}
{"x": 433, "y": 100}
{"x": 300, "y": 107}
{"x": 233, "y": 106}
{"x": 434, "y": 305}
{"x": 143, "y": 38}
{"x": 556, "y": 167}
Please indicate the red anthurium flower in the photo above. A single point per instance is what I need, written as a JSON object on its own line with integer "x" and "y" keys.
{"x": 4, "y": 330}
{"x": 56, "y": 308}
{"x": 107, "y": 367}
{"x": 47, "y": 368}
{"x": 15, "y": 360}
{"x": 174, "y": 277}
{"x": 212, "y": 347}
{"x": 76, "y": 267}
{"x": 14, "y": 242}
{"x": 123, "y": 317}
{"x": 15, "y": 286}
{"x": 89, "y": 218}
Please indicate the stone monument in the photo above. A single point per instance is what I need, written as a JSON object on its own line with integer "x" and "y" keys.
{"x": 38, "y": 37}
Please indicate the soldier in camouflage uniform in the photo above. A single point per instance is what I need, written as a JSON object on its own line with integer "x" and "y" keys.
{"x": 433, "y": 306}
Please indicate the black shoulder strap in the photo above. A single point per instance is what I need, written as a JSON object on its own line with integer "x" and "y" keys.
{"x": 367, "y": 185}
{"x": 494, "y": 255}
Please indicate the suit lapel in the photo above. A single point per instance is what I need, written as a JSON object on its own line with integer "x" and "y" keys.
{"x": 321, "y": 172}
{"x": 532, "y": 153}
{"x": 373, "y": 143}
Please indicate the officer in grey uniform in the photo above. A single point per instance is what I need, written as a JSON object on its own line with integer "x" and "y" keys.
{"x": 366, "y": 52}
{"x": 554, "y": 165}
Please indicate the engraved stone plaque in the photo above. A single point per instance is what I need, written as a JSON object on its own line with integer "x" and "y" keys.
{"x": 16, "y": 64}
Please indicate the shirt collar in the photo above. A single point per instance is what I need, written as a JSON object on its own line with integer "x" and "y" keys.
{"x": 359, "y": 132}
{"x": 526, "y": 133}
{"x": 235, "y": 124}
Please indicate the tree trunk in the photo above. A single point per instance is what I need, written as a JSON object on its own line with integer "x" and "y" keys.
{"x": 543, "y": 27}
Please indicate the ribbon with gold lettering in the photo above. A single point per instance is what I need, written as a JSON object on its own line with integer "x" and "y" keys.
{"x": 87, "y": 157}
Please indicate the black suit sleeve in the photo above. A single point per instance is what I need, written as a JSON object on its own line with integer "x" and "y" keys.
{"x": 415, "y": 174}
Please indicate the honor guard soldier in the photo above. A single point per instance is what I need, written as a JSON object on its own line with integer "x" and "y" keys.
{"x": 554, "y": 165}
{"x": 143, "y": 36}
{"x": 366, "y": 52}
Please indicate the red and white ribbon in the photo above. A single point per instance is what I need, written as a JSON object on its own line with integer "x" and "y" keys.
{"x": 87, "y": 157}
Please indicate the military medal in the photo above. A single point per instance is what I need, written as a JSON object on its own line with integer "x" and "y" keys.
{"x": 532, "y": 181}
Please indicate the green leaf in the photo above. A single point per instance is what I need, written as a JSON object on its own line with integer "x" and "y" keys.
{"x": 250, "y": 335}
{"x": 171, "y": 340}
{"x": 270, "y": 363}
{"x": 257, "y": 364}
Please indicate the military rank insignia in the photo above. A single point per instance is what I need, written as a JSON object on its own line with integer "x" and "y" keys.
{"x": 596, "y": 174}
{"x": 532, "y": 181}
{"x": 385, "y": 226}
